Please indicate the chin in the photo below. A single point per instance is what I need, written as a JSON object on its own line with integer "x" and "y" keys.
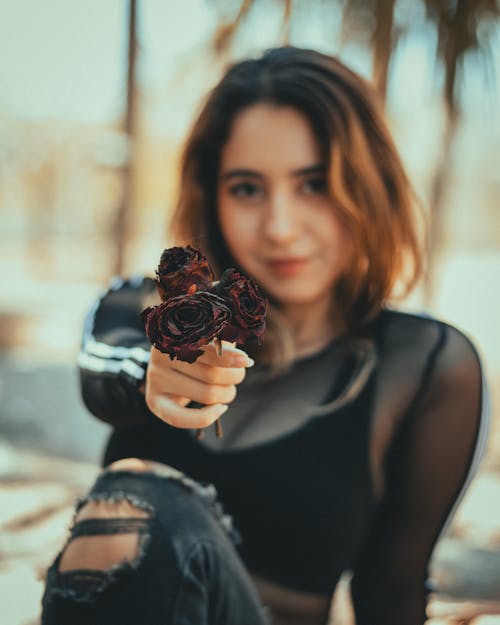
{"x": 291, "y": 298}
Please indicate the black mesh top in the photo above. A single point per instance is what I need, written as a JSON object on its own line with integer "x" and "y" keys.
{"x": 354, "y": 459}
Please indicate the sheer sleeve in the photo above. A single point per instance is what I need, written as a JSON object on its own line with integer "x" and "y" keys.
{"x": 115, "y": 353}
{"x": 430, "y": 463}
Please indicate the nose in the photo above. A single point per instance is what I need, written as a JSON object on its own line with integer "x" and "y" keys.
{"x": 280, "y": 219}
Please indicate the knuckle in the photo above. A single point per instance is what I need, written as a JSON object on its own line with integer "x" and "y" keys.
{"x": 212, "y": 375}
{"x": 240, "y": 375}
{"x": 152, "y": 372}
{"x": 209, "y": 394}
{"x": 230, "y": 394}
{"x": 156, "y": 357}
{"x": 150, "y": 400}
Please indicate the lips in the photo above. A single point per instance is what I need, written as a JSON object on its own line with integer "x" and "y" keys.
{"x": 288, "y": 266}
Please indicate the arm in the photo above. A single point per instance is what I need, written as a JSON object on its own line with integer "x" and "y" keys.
{"x": 430, "y": 463}
{"x": 115, "y": 353}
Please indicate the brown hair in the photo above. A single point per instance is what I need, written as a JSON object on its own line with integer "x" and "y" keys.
{"x": 366, "y": 179}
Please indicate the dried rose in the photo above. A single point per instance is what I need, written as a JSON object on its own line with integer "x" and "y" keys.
{"x": 183, "y": 324}
{"x": 248, "y": 307}
{"x": 179, "y": 269}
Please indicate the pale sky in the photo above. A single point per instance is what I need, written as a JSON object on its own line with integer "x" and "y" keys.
{"x": 66, "y": 58}
{"x": 62, "y": 58}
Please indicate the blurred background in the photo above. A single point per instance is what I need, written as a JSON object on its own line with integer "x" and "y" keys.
{"x": 95, "y": 100}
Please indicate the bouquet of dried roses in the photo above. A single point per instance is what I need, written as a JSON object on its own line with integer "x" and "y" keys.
{"x": 196, "y": 309}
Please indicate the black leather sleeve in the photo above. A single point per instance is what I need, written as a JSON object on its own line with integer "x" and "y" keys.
{"x": 115, "y": 354}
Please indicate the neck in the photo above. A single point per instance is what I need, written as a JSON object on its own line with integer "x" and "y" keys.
{"x": 313, "y": 325}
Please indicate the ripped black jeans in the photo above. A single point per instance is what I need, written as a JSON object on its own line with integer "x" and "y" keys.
{"x": 186, "y": 572}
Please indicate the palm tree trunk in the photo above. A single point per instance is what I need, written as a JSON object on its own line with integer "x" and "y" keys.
{"x": 120, "y": 226}
{"x": 287, "y": 15}
{"x": 225, "y": 32}
{"x": 383, "y": 41}
{"x": 442, "y": 176}
{"x": 452, "y": 32}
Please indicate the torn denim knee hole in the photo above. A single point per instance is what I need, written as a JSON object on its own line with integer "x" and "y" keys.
{"x": 207, "y": 492}
{"x": 85, "y": 585}
{"x": 104, "y": 526}
{"x": 113, "y": 497}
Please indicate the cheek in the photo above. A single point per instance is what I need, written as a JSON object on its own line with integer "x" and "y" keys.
{"x": 229, "y": 226}
{"x": 241, "y": 244}
{"x": 238, "y": 230}
{"x": 338, "y": 242}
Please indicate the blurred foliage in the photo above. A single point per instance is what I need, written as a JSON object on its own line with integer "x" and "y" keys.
{"x": 463, "y": 27}
{"x": 111, "y": 183}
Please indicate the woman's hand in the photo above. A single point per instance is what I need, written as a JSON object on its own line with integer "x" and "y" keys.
{"x": 211, "y": 380}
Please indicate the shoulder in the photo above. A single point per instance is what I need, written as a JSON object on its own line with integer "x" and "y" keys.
{"x": 441, "y": 359}
{"x": 118, "y": 305}
{"x": 126, "y": 292}
{"x": 423, "y": 332}
{"x": 137, "y": 282}
{"x": 450, "y": 368}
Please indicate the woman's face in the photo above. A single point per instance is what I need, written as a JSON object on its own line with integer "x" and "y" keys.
{"x": 277, "y": 219}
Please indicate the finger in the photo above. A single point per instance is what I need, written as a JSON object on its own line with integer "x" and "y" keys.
{"x": 180, "y": 401}
{"x": 231, "y": 356}
{"x": 170, "y": 380}
{"x": 180, "y": 417}
{"x": 210, "y": 374}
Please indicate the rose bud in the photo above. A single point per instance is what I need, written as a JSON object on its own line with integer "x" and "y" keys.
{"x": 248, "y": 307}
{"x": 183, "y": 324}
{"x": 179, "y": 269}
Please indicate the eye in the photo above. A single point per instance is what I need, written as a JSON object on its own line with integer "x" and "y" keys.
{"x": 314, "y": 185}
{"x": 245, "y": 190}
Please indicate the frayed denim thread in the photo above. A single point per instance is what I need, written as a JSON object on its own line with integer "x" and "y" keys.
{"x": 101, "y": 579}
{"x": 207, "y": 492}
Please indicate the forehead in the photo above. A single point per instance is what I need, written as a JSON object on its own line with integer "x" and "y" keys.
{"x": 270, "y": 138}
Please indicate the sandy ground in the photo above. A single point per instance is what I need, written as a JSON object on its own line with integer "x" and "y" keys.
{"x": 49, "y": 455}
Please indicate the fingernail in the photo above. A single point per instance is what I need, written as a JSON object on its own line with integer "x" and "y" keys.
{"x": 233, "y": 350}
{"x": 222, "y": 409}
{"x": 242, "y": 361}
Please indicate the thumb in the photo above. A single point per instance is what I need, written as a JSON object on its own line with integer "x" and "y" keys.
{"x": 180, "y": 401}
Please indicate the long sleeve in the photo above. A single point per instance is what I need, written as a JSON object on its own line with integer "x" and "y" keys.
{"x": 429, "y": 465}
{"x": 115, "y": 353}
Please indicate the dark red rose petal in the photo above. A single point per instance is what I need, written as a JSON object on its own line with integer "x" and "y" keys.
{"x": 195, "y": 310}
{"x": 248, "y": 307}
{"x": 180, "y": 268}
{"x": 183, "y": 324}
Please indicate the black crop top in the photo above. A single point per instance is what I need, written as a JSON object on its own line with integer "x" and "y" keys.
{"x": 361, "y": 472}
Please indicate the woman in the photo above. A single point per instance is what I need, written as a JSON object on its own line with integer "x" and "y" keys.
{"x": 350, "y": 441}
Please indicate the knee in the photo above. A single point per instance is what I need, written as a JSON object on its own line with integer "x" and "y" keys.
{"x": 105, "y": 532}
{"x": 130, "y": 464}
{"x": 139, "y": 465}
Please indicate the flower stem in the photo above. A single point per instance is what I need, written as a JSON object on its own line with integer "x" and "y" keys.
{"x": 218, "y": 424}
{"x": 218, "y": 346}
{"x": 218, "y": 428}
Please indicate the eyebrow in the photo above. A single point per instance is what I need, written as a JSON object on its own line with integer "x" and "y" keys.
{"x": 250, "y": 173}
